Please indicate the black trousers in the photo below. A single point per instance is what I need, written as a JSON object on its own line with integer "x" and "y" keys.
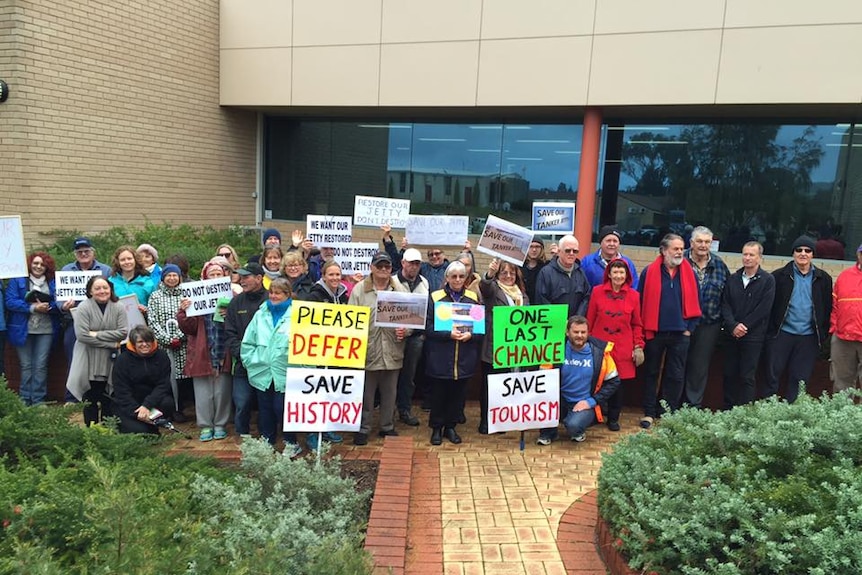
{"x": 447, "y": 399}
{"x": 794, "y": 354}
{"x": 673, "y": 347}
{"x": 99, "y": 403}
{"x": 741, "y": 357}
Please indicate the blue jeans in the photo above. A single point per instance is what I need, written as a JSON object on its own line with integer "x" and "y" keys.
{"x": 406, "y": 386}
{"x": 33, "y": 357}
{"x": 242, "y": 394}
{"x": 270, "y": 417}
{"x": 575, "y": 422}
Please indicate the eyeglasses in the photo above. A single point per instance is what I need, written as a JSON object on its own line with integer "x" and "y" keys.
{"x": 571, "y": 250}
{"x": 84, "y": 252}
{"x": 506, "y": 273}
{"x": 293, "y": 266}
{"x": 803, "y": 250}
{"x": 437, "y": 253}
{"x": 225, "y": 254}
{"x": 383, "y": 266}
{"x": 458, "y": 276}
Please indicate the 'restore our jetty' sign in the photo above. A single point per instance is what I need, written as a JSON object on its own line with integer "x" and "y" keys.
{"x": 528, "y": 335}
{"x": 525, "y": 400}
{"x": 329, "y": 334}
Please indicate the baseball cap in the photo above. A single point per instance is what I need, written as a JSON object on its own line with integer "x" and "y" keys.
{"x": 250, "y": 269}
{"x": 82, "y": 242}
{"x": 411, "y": 255}
{"x": 381, "y": 257}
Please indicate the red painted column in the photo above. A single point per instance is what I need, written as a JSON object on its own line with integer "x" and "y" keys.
{"x": 586, "y": 206}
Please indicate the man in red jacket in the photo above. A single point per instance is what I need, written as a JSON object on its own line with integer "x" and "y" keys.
{"x": 845, "y": 325}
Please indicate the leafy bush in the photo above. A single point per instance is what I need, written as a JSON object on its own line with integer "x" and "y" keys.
{"x": 77, "y": 500}
{"x": 762, "y": 489}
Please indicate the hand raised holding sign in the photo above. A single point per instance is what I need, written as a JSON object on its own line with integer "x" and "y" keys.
{"x": 493, "y": 268}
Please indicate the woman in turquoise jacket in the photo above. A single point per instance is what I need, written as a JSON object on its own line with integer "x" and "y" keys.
{"x": 264, "y": 355}
{"x": 129, "y": 277}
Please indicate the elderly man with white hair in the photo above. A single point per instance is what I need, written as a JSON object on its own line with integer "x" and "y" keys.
{"x": 562, "y": 281}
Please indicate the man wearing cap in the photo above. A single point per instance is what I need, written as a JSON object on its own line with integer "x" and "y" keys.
{"x": 562, "y": 281}
{"x": 799, "y": 323}
{"x": 609, "y": 249}
{"x": 385, "y": 354}
{"x": 712, "y": 274}
{"x": 412, "y": 280}
{"x": 239, "y": 314}
{"x": 845, "y": 325}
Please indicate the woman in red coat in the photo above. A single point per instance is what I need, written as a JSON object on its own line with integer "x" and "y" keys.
{"x": 614, "y": 315}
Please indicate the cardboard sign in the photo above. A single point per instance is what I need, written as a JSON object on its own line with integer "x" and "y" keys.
{"x": 525, "y": 400}
{"x": 205, "y": 295}
{"x": 375, "y": 212}
{"x": 399, "y": 309}
{"x": 134, "y": 317}
{"x": 323, "y": 399}
{"x": 505, "y": 240}
{"x": 329, "y": 334}
{"x": 461, "y": 316}
{"x": 355, "y": 257}
{"x": 437, "y": 230}
{"x": 553, "y": 217}
{"x": 13, "y": 256}
{"x": 73, "y": 285}
{"x": 529, "y": 335}
{"x": 327, "y": 231}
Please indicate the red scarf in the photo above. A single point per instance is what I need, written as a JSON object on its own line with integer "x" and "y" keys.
{"x": 651, "y": 298}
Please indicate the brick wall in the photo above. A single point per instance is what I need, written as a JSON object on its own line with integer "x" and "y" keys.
{"x": 114, "y": 117}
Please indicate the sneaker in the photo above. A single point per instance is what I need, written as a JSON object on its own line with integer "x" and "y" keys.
{"x": 408, "y": 418}
{"x": 544, "y": 440}
{"x": 580, "y": 437}
{"x": 385, "y": 432}
{"x": 220, "y": 433}
{"x": 332, "y": 437}
{"x": 206, "y": 434}
{"x": 360, "y": 439}
{"x": 614, "y": 425}
{"x": 291, "y": 449}
{"x": 311, "y": 442}
{"x": 646, "y": 421}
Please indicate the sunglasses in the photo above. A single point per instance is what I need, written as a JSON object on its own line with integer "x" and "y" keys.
{"x": 803, "y": 250}
{"x": 225, "y": 254}
{"x": 435, "y": 253}
{"x": 457, "y": 276}
{"x": 571, "y": 250}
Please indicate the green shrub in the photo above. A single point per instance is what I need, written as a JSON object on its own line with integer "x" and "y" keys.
{"x": 761, "y": 489}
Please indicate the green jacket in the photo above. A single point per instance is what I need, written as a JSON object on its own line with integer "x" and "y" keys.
{"x": 264, "y": 349}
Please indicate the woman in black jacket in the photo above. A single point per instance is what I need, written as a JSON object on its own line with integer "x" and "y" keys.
{"x": 328, "y": 288}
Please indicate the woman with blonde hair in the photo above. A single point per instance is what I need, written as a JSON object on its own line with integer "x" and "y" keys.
{"x": 295, "y": 269}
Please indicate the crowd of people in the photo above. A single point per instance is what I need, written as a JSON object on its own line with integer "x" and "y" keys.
{"x": 665, "y": 321}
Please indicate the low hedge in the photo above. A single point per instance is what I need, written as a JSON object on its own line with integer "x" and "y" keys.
{"x": 762, "y": 489}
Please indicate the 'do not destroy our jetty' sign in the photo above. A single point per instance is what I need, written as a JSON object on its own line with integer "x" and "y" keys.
{"x": 505, "y": 240}
{"x": 328, "y": 334}
{"x": 205, "y": 295}
{"x": 525, "y": 400}
{"x": 323, "y": 399}
{"x": 528, "y": 335}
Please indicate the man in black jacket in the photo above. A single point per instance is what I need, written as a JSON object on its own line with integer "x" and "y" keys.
{"x": 799, "y": 323}
{"x": 745, "y": 307}
{"x": 563, "y": 281}
{"x": 239, "y": 313}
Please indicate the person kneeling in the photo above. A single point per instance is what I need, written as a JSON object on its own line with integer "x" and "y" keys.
{"x": 588, "y": 377}
{"x": 142, "y": 383}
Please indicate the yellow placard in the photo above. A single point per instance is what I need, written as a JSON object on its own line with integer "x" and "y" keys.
{"x": 329, "y": 334}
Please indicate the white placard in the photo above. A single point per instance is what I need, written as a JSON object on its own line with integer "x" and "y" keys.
{"x": 400, "y": 309}
{"x": 437, "y": 230}
{"x": 523, "y": 400}
{"x": 327, "y": 231}
{"x": 505, "y": 240}
{"x": 13, "y": 256}
{"x": 133, "y": 314}
{"x": 73, "y": 285}
{"x": 205, "y": 295}
{"x": 319, "y": 399}
{"x": 375, "y": 212}
{"x": 355, "y": 257}
{"x": 553, "y": 218}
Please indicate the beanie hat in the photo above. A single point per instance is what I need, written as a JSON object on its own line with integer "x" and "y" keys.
{"x": 270, "y": 232}
{"x": 537, "y": 240}
{"x": 148, "y": 248}
{"x": 205, "y": 272}
{"x": 171, "y": 269}
{"x": 609, "y": 230}
{"x": 803, "y": 242}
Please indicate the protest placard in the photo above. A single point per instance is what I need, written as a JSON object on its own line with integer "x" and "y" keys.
{"x": 355, "y": 257}
{"x": 134, "y": 317}
{"x": 375, "y": 212}
{"x": 329, "y": 334}
{"x": 73, "y": 285}
{"x": 205, "y": 295}
{"x": 505, "y": 240}
{"x": 553, "y": 217}
{"x": 525, "y": 400}
{"x": 399, "y": 309}
{"x": 437, "y": 230}
{"x": 318, "y": 399}
{"x": 529, "y": 335}
{"x": 327, "y": 231}
{"x": 463, "y": 316}
{"x": 13, "y": 256}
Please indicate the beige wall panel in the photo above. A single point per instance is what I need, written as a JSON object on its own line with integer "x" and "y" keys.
{"x": 336, "y": 22}
{"x": 791, "y": 64}
{"x": 431, "y": 21}
{"x": 434, "y": 74}
{"x": 547, "y": 71}
{"x": 667, "y": 68}
{"x": 336, "y": 76}
{"x": 255, "y": 77}
{"x": 622, "y": 16}
{"x": 257, "y": 24}
{"x": 745, "y": 13}
{"x": 520, "y": 19}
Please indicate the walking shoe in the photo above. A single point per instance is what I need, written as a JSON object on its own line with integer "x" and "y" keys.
{"x": 291, "y": 449}
{"x": 483, "y": 428}
{"x": 360, "y": 439}
{"x": 462, "y": 418}
{"x": 206, "y": 434}
{"x": 450, "y": 434}
{"x": 220, "y": 433}
{"x": 385, "y": 432}
{"x": 408, "y": 418}
{"x": 646, "y": 421}
{"x": 332, "y": 437}
{"x": 579, "y": 437}
{"x": 614, "y": 425}
{"x": 437, "y": 436}
{"x": 311, "y": 442}
{"x": 179, "y": 417}
{"x": 544, "y": 440}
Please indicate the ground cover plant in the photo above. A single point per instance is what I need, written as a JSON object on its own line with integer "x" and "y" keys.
{"x": 76, "y": 500}
{"x": 763, "y": 489}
